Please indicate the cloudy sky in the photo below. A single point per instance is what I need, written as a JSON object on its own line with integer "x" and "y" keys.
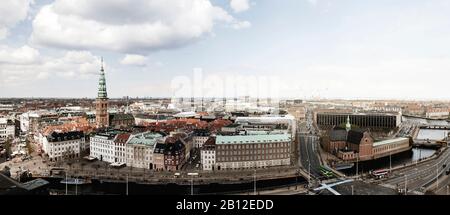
{"x": 305, "y": 48}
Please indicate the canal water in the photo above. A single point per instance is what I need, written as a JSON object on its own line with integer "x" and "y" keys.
{"x": 112, "y": 188}
{"x": 408, "y": 157}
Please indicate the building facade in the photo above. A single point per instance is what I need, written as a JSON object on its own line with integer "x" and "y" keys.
{"x": 364, "y": 120}
{"x": 158, "y": 156}
{"x": 438, "y": 113}
{"x": 140, "y": 150}
{"x": 174, "y": 155}
{"x": 121, "y": 120}
{"x": 60, "y": 146}
{"x": 252, "y": 151}
{"x": 7, "y": 129}
{"x": 208, "y": 154}
{"x": 360, "y": 146}
{"x": 200, "y": 136}
{"x": 31, "y": 122}
{"x": 120, "y": 147}
{"x": 103, "y": 147}
{"x": 335, "y": 141}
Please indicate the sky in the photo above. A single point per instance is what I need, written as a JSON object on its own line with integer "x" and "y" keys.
{"x": 351, "y": 49}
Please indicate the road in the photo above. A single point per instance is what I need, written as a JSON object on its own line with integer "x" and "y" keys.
{"x": 288, "y": 190}
{"x": 309, "y": 147}
{"x": 444, "y": 186}
{"x": 309, "y": 156}
{"x": 419, "y": 177}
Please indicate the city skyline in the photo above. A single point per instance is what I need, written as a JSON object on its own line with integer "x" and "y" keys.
{"x": 317, "y": 48}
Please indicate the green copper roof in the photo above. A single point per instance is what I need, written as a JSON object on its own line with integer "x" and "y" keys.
{"x": 102, "y": 94}
{"x": 390, "y": 141}
{"x": 147, "y": 138}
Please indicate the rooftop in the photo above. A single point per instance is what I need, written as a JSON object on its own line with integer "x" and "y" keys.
{"x": 147, "y": 138}
{"x": 120, "y": 116}
{"x": 71, "y": 135}
{"x": 34, "y": 184}
{"x": 338, "y": 135}
{"x": 265, "y": 118}
{"x": 243, "y": 139}
{"x": 360, "y": 113}
{"x": 185, "y": 114}
{"x": 390, "y": 141}
{"x": 234, "y": 125}
{"x": 174, "y": 148}
{"x": 107, "y": 135}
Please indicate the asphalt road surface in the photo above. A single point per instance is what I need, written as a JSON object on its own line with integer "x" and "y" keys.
{"x": 309, "y": 155}
{"x": 421, "y": 176}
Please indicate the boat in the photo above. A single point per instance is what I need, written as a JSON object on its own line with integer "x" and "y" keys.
{"x": 75, "y": 181}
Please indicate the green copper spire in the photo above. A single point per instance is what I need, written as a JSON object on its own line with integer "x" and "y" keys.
{"x": 102, "y": 94}
{"x": 348, "y": 126}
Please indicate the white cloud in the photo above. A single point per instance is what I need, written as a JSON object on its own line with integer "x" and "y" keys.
{"x": 313, "y": 2}
{"x": 394, "y": 79}
{"x": 133, "y": 60}
{"x": 240, "y": 5}
{"x": 241, "y": 25}
{"x": 11, "y": 13}
{"x": 26, "y": 65}
{"x": 133, "y": 27}
{"x": 22, "y": 55}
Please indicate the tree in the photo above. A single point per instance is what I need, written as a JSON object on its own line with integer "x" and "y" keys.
{"x": 8, "y": 145}
{"x": 29, "y": 147}
{"x": 6, "y": 171}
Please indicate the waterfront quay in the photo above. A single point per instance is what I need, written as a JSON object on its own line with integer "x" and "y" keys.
{"x": 103, "y": 172}
{"x": 422, "y": 177}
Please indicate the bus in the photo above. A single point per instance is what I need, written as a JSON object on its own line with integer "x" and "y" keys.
{"x": 378, "y": 174}
{"x": 327, "y": 173}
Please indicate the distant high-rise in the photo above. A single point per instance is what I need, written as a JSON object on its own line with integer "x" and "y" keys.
{"x": 101, "y": 103}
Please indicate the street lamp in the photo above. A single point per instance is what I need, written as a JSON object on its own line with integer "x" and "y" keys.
{"x": 66, "y": 182}
{"x": 192, "y": 181}
{"x": 390, "y": 161}
{"x": 254, "y": 182}
{"x": 357, "y": 162}
{"x": 406, "y": 187}
{"x": 127, "y": 186}
{"x": 420, "y": 153}
{"x": 192, "y": 186}
{"x": 437, "y": 176}
{"x": 309, "y": 174}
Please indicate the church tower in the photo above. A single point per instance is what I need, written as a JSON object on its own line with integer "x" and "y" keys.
{"x": 101, "y": 103}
